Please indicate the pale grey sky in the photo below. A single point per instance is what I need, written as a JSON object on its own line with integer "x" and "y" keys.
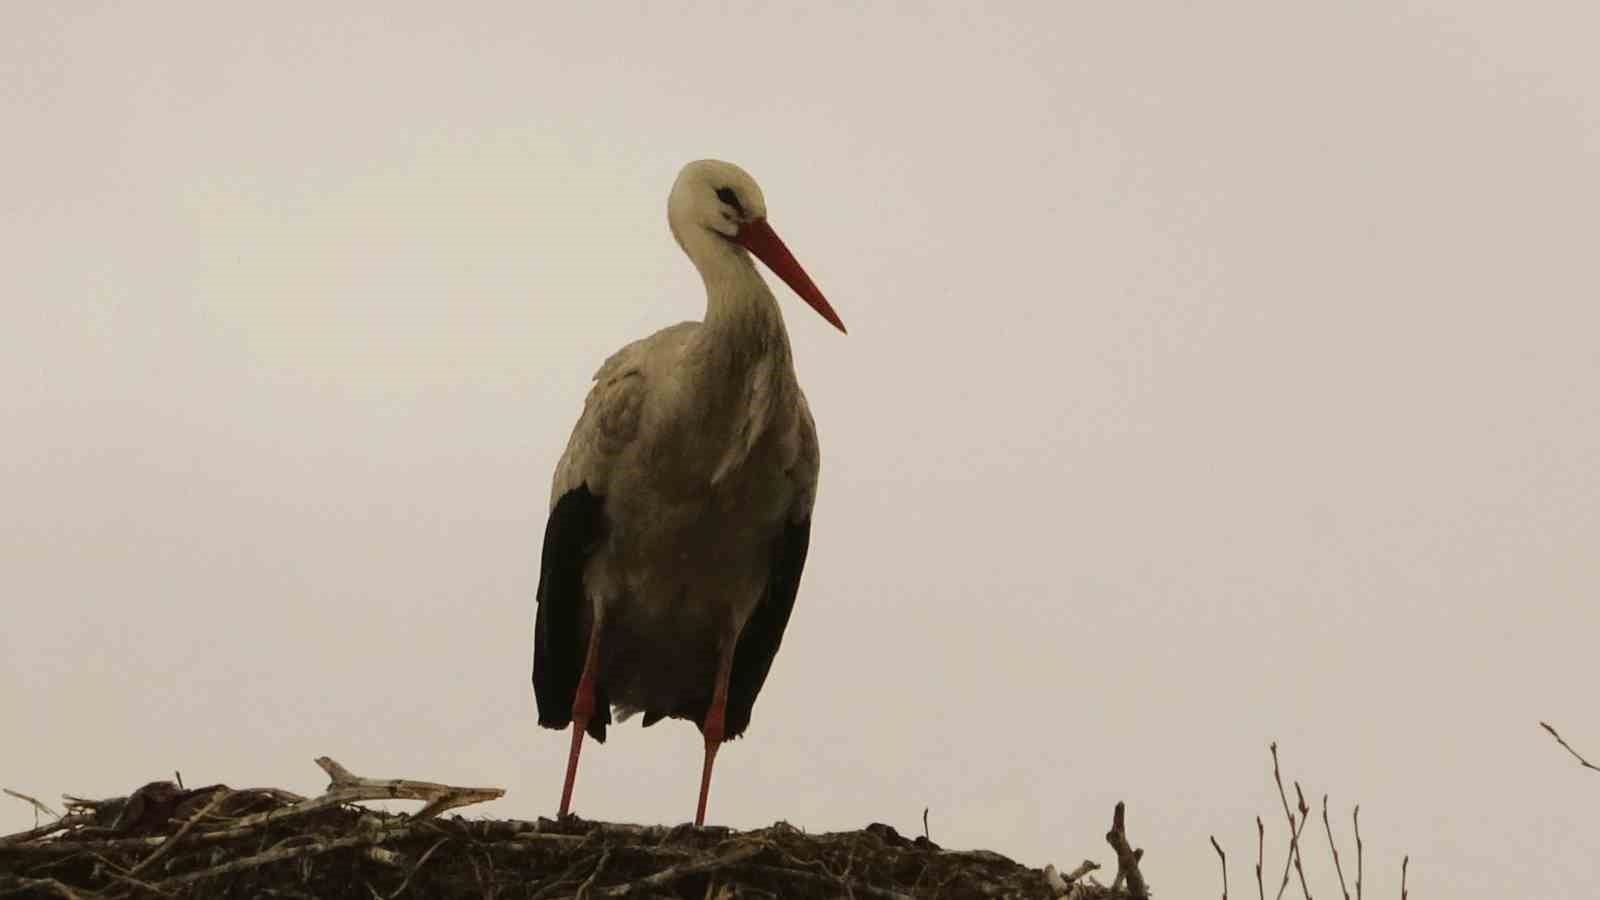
{"x": 1217, "y": 374}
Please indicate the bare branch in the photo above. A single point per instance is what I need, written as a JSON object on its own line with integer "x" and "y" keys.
{"x": 1553, "y": 733}
{"x": 439, "y": 797}
{"x": 1299, "y": 866}
{"x": 683, "y": 870}
{"x": 347, "y": 787}
{"x": 40, "y": 807}
{"x": 49, "y": 828}
{"x": 143, "y": 885}
{"x": 1083, "y": 869}
{"x": 1294, "y": 833}
{"x": 1261, "y": 854}
{"x": 1404, "y": 864}
{"x": 823, "y": 881}
{"x": 583, "y": 889}
{"x": 1328, "y": 826}
{"x": 1223, "y": 857}
{"x": 1356, "y": 818}
{"x": 313, "y": 848}
{"x": 166, "y": 845}
{"x": 43, "y": 884}
{"x": 1127, "y": 856}
{"x": 418, "y": 867}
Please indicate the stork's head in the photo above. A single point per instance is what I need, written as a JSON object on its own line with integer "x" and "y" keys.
{"x": 720, "y": 200}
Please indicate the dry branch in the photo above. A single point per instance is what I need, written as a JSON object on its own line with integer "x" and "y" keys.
{"x": 1127, "y": 857}
{"x": 169, "y": 843}
{"x": 826, "y": 883}
{"x": 1223, "y": 859}
{"x": 1355, "y": 817}
{"x": 282, "y": 853}
{"x": 43, "y": 884}
{"x": 214, "y": 841}
{"x": 1553, "y": 733}
{"x": 439, "y": 797}
{"x": 1328, "y": 826}
{"x": 1083, "y": 869}
{"x": 417, "y": 868}
{"x": 1294, "y": 832}
{"x": 1305, "y": 815}
{"x": 64, "y": 823}
{"x": 37, "y": 806}
{"x": 682, "y": 870}
{"x": 1261, "y": 855}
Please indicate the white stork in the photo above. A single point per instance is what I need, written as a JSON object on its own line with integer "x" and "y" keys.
{"x": 680, "y": 512}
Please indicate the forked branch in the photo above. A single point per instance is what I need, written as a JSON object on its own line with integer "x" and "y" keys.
{"x": 1127, "y": 857}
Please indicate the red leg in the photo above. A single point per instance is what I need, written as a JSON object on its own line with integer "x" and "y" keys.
{"x": 712, "y": 729}
{"x": 582, "y": 710}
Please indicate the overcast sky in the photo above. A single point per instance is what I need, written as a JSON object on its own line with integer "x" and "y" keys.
{"x": 1217, "y": 374}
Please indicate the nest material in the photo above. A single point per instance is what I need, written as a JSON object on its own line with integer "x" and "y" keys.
{"x": 165, "y": 841}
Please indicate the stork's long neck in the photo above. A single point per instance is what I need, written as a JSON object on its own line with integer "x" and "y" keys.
{"x": 743, "y": 325}
{"x": 738, "y": 365}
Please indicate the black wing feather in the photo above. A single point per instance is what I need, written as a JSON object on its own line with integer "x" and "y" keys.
{"x": 758, "y": 642}
{"x": 575, "y": 528}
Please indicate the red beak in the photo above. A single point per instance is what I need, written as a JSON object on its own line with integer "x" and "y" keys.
{"x": 759, "y": 238}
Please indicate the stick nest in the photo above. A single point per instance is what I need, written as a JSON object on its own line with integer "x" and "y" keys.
{"x": 215, "y": 841}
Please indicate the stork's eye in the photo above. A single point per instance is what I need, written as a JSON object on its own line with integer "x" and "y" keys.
{"x": 726, "y": 195}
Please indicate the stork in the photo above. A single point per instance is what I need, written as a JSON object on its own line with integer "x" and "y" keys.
{"x": 680, "y": 513}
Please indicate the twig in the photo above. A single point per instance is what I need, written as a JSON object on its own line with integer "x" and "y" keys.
{"x": 583, "y": 889}
{"x": 1404, "y": 864}
{"x": 144, "y": 885}
{"x": 1223, "y": 857}
{"x": 1294, "y": 833}
{"x": 1553, "y": 733}
{"x": 1356, "y": 818}
{"x": 826, "y": 882}
{"x": 1083, "y": 869}
{"x": 925, "y": 825}
{"x": 416, "y": 868}
{"x": 271, "y": 856}
{"x": 61, "y": 824}
{"x": 216, "y": 800}
{"x": 1261, "y": 855}
{"x": 439, "y": 797}
{"x": 553, "y": 886}
{"x": 347, "y": 787}
{"x": 1305, "y": 815}
{"x": 682, "y": 870}
{"x": 43, "y": 884}
{"x": 1127, "y": 857}
{"x": 40, "y": 807}
{"x": 1334, "y": 847}
{"x": 849, "y": 866}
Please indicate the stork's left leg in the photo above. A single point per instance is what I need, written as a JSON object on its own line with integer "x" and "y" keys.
{"x": 582, "y": 711}
{"x": 712, "y": 727}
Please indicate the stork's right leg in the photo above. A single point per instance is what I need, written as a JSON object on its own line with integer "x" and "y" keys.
{"x": 582, "y": 710}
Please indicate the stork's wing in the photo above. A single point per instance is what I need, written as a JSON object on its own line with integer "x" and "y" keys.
{"x": 577, "y": 525}
{"x": 763, "y": 633}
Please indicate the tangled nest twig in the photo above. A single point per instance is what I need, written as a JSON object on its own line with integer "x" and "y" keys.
{"x": 165, "y": 841}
